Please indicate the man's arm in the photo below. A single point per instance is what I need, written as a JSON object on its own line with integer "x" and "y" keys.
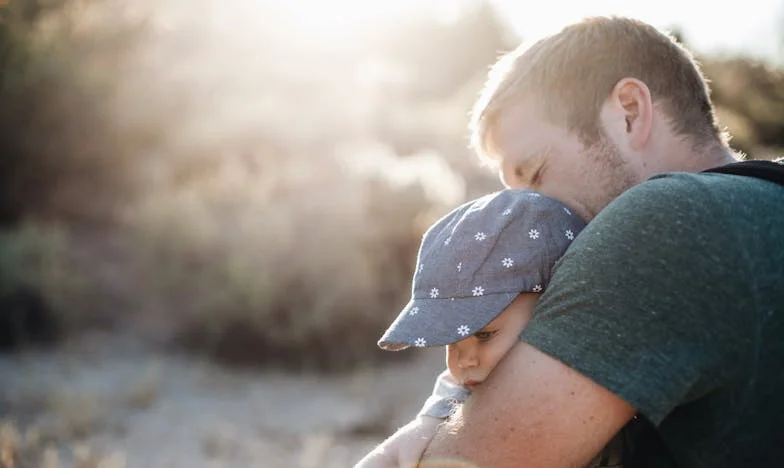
{"x": 532, "y": 412}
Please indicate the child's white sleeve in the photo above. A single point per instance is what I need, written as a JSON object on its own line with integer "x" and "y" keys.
{"x": 446, "y": 394}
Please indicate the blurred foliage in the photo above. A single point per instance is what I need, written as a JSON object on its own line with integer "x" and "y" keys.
{"x": 750, "y": 101}
{"x": 39, "y": 288}
{"x": 33, "y": 255}
{"x": 61, "y": 153}
{"x": 275, "y": 183}
{"x": 281, "y": 275}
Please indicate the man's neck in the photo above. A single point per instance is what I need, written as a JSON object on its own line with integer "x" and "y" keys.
{"x": 699, "y": 159}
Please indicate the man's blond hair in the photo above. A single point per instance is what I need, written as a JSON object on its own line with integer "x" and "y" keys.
{"x": 573, "y": 72}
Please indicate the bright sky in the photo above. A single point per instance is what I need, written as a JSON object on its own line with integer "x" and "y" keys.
{"x": 755, "y": 27}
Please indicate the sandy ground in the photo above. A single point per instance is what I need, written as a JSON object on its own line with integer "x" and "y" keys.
{"x": 116, "y": 400}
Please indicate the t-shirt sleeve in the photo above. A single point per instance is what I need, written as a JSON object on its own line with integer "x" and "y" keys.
{"x": 446, "y": 394}
{"x": 647, "y": 301}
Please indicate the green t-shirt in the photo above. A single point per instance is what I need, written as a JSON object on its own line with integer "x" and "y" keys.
{"x": 673, "y": 299}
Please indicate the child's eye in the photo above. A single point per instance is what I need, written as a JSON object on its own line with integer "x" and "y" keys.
{"x": 484, "y": 335}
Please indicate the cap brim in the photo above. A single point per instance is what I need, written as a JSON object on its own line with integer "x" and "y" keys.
{"x": 439, "y": 322}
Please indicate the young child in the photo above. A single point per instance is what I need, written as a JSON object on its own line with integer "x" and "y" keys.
{"x": 479, "y": 273}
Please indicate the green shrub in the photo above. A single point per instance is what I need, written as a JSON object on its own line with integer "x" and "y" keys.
{"x": 39, "y": 289}
{"x": 34, "y": 255}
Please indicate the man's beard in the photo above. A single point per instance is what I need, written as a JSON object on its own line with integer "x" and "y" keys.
{"x": 610, "y": 173}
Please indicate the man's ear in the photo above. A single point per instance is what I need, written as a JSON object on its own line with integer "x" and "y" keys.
{"x": 631, "y": 98}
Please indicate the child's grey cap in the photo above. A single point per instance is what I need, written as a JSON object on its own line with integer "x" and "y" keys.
{"x": 476, "y": 260}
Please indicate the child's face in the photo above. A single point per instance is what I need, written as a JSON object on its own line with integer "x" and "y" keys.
{"x": 471, "y": 360}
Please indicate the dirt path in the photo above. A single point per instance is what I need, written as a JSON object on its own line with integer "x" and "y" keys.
{"x": 137, "y": 408}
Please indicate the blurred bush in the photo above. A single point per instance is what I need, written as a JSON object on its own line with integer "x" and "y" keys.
{"x": 303, "y": 271}
{"x": 39, "y": 288}
{"x": 274, "y": 185}
{"x": 749, "y": 98}
{"x": 58, "y": 144}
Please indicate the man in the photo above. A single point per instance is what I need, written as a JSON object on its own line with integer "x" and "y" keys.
{"x": 669, "y": 307}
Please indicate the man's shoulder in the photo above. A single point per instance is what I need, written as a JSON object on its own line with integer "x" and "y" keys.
{"x": 700, "y": 185}
{"x": 683, "y": 215}
{"x": 706, "y": 197}
{"x": 668, "y": 185}
{"x": 659, "y": 201}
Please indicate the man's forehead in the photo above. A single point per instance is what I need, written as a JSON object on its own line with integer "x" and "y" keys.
{"x": 520, "y": 131}
{"x": 518, "y": 148}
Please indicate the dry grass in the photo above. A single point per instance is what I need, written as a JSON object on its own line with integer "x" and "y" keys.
{"x": 78, "y": 415}
{"x": 145, "y": 391}
{"x": 59, "y": 423}
{"x": 221, "y": 443}
{"x": 29, "y": 450}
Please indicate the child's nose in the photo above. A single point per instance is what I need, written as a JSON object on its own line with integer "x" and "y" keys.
{"x": 467, "y": 357}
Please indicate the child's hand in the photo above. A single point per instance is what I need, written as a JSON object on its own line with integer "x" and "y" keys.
{"x": 404, "y": 448}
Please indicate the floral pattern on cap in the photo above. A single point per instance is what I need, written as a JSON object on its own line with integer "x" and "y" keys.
{"x": 480, "y": 257}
